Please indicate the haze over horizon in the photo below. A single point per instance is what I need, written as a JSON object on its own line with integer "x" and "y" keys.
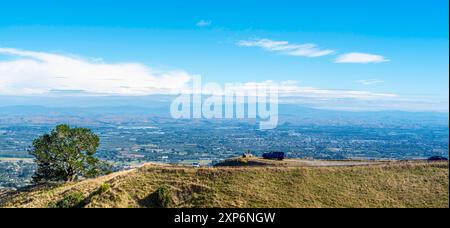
{"x": 363, "y": 61}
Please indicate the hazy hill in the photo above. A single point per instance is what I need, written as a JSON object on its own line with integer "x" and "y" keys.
{"x": 404, "y": 184}
{"x": 288, "y": 114}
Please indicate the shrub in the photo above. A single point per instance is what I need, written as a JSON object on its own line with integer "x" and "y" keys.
{"x": 73, "y": 200}
{"x": 103, "y": 188}
{"x": 243, "y": 161}
{"x": 164, "y": 197}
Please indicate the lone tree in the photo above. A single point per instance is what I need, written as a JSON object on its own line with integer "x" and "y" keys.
{"x": 67, "y": 154}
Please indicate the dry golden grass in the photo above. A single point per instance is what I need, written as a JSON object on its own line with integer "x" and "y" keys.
{"x": 405, "y": 184}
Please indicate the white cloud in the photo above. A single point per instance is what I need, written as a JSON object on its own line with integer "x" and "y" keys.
{"x": 369, "y": 81}
{"x": 32, "y": 73}
{"x": 284, "y": 47}
{"x": 204, "y": 23}
{"x": 357, "y": 57}
{"x": 291, "y": 89}
{"x": 41, "y": 73}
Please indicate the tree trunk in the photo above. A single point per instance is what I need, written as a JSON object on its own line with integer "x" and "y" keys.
{"x": 70, "y": 175}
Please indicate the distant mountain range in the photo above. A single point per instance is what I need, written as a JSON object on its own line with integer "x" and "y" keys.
{"x": 289, "y": 113}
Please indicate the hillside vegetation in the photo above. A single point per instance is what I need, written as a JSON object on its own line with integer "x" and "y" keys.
{"x": 397, "y": 184}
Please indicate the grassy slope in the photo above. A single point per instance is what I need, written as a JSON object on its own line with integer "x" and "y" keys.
{"x": 394, "y": 185}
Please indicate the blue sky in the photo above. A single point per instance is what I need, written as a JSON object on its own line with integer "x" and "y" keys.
{"x": 403, "y": 44}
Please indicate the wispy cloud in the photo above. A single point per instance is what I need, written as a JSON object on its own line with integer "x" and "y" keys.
{"x": 32, "y": 73}
{"x": 286, "y": 48}
{"x": 42, "y": 73}
{"x": 356, "y": 57}
{"x": 369, "y": 81}
{"x": 310, "y": 50}
{"x": 294, "y": 89}
{"x": 204, "y": 23}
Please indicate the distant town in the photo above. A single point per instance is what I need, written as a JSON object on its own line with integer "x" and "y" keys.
{"x": 128, "y": 141}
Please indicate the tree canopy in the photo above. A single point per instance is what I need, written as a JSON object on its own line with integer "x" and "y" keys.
{"x": 66, "y": 154}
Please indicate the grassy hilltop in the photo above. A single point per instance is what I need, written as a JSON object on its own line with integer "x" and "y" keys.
{"x": 392, "y": 184}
